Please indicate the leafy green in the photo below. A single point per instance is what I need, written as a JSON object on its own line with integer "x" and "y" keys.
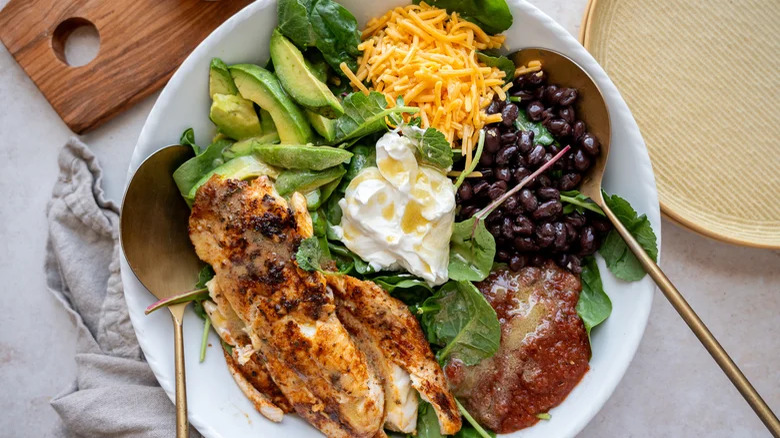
{"x": 471, "y": 251}
{"x": 593, "y": 306}
{"x": 189, "y": 173}
{"x": 310, "y": 255}
{"x": 541, "y": 134}
{"x": 576, "y": 201}
{"x": 299, "y": 180}
{"x": 205, "y": 274}
{"x": 492, "y": 58}
{"x": 620, "y": 260}
{"x": 365, "y": 114}
{"x": 427, "y": 422}
{"x": 347, "y": 261}
{"x": 188, "y": 139}
{"x": 474, "y": 162}
{"x": 493, "y": 16}
{"x": 406, "y": 287}
{"x": 432, "y": 147}
{"x": 477, "y": 430}
{"x": 363, "y": 156}
{"x": 324, "y": 24}
{"x": 460, "y": 320}
{"x": 328, "y": 189}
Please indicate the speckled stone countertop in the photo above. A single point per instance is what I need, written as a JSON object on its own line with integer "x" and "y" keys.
{"x": 672, "y": 388}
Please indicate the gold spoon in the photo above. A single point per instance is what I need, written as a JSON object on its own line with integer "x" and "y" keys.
{"x": 592, "y": 108}
{"x": 155, "y": 241}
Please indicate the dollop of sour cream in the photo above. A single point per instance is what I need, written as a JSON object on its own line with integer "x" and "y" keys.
{"x": 400, "y": 214}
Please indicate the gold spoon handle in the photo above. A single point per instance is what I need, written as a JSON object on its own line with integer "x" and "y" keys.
{"x": 699, "y": 329}
{"x": 182, "y": 425}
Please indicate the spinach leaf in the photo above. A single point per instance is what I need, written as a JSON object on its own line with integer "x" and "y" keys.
{"x": 432, "y": 147}
{"x": 363, "y": 156}
{"x": 475, "y": 430}
{"x": 406, "y": 287}
{"x": 593, "y": 306}
{"x": 365, "y": 114}
{"x": 347, "y": 261}
{"x": 337, "y": 34}
{"x": 576, "y": 201}
{"x": 427, "y": 422}
{"x": 205, "y": 274}
{"x": 188, "y": 139}
{"x": 294, "y": 22}
{"x": 541, "y": 134}
{"x": 492, "y": 58}
{"x": 310, "y": 255}
{"x": 471, "y": 251}
{"x": 324, "y": 24}
{"x": 493, "y": 16}
{"x": 460, "y": 320}
{"x": 620, "y": 260}
{"x": 191, "y": 172}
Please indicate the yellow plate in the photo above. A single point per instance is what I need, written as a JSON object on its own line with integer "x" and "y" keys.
{"x": 702, "y": 79}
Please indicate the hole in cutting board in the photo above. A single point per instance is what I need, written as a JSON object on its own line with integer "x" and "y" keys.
{"x": 76, "y": 41}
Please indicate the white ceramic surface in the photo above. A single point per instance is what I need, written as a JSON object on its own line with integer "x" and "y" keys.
{"x": 217, "y": 408}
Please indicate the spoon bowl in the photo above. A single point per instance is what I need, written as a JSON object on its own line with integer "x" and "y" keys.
{"x": 155, "y": 240}
{"x": 591, "y": 108}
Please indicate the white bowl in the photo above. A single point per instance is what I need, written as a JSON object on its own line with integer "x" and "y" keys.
{"x": 217, "y": 408}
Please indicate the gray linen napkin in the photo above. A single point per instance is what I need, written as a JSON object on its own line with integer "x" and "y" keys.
{"x": 115, "y": 392}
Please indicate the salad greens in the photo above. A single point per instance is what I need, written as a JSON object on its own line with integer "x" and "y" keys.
{"x": 493, "y": 16}
{"x": 323, "y": 24}
{"x": 541, "y": 134}
{"x": 301, "y": 180}
{"x": 594, "y": 306}
{"x": 492, "y": 58}
{"x": 576, "y": 201}
{"x": 620, "y": 260}
{"x": 365, "y": 115}
{"x": 188, "y": 139}
{"x": 432, "y": 147}
{"x": 459, "y": 319}
{"x": 472, "y": 251}
{"x": 192, "y": 171}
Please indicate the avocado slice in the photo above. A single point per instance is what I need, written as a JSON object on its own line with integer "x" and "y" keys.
{"x": 245, "y": 167}
{"x": 324, "y": 126}
{"x": 317, "y": 64}
{"x": 235, "y": 116}
{"x": 220, "y": 81}
{"x": 267, "y": 122}
{"x": 247, "y": 146}
{"x": 262, "y": 87}
{"x": 298, "y": 79}
{"x": 296, "y": 180}
{"x": 304, "y": 157}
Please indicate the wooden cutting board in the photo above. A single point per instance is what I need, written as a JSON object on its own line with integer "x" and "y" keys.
{"x": 142, "y": 42}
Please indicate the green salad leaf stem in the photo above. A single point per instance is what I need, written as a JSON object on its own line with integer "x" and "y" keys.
{"x": 204, "y": 338}
{"x": 479, "y": 429}
{"x": 474, "y": 162}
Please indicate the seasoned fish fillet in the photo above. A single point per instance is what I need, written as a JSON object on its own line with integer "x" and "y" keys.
{"x": 249, "y": 235}
{"x": 387, "y": 329}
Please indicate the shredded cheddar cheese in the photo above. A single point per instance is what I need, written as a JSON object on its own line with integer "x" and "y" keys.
{"x": 428, "y": 57}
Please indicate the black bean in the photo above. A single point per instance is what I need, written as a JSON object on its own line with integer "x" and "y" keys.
{"x": 543, "y": 181}
{"x": 495, "y": 217}
{"x": 535, "y": 110}
{"x": 508, "y": 138}
{"x": 536, "y": 78}
{"x": 528, "y": 200}
{"x": 581, "y": 161}
{"x": 549, "y": 91}
{"x": 526, "y": 141}
{"x": 509, "y": 115}
{"x": 464, "y": 191}
{"x": 480, "y": 187}
{"x": 536, "y": 155}
{"x": 523, "y": 95}
{"x": 548, "y": 209}
{"x": 506, "y": 228}
{"x": 569, "y": 181}
{"x": 572, "y": 233}
{"x": 590, "y": 144}
{"x": 568, "y": 96}
{"x": 495, "y": 106}
{"x": 587, "y": 240}
{"x": 553, "y": 149}
{"x": 524, "y": 244}
{"x": 556, "y": 97}
{"x": 517, "y": 262}
{"x": 505, "y": 155}
{"x": 504, "y": 174}
{"x": 511, "y": 204}
{"x": 521, "y": 82}
{"x": 502, "y": 255}
{"x": 578, "y": 129}
{"x": 469, "y": 211}
{"x": 497, "y": 189}
{"x": 520, "y": 173}
{"x": 576, "y": 219}
{"x": 486, "y": 160}
{"x": 492, "y": 140}
{"x": 562, "y": 260}
{"x": 487, "y": 172}
{"x": 601, "y": 225}
{"x": 524, "y": 225}
{"x": 575, "y": 264}
{"x": 494, "y": 229}
{"x": 547, "y": 115}
{"x": 559, "y": 128}
{"x": 560, "y": 235}
{"x": 547, "y": 157}
{"x": 547, "y": 193}
{"x": 567, "y": 113}
{"x": 538, "y": 260}
{"x": 538, "y": 93}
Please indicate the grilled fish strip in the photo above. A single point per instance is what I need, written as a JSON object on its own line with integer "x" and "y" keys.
{"x": 369, "y": 312}
{"x": 249, "y": 235}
